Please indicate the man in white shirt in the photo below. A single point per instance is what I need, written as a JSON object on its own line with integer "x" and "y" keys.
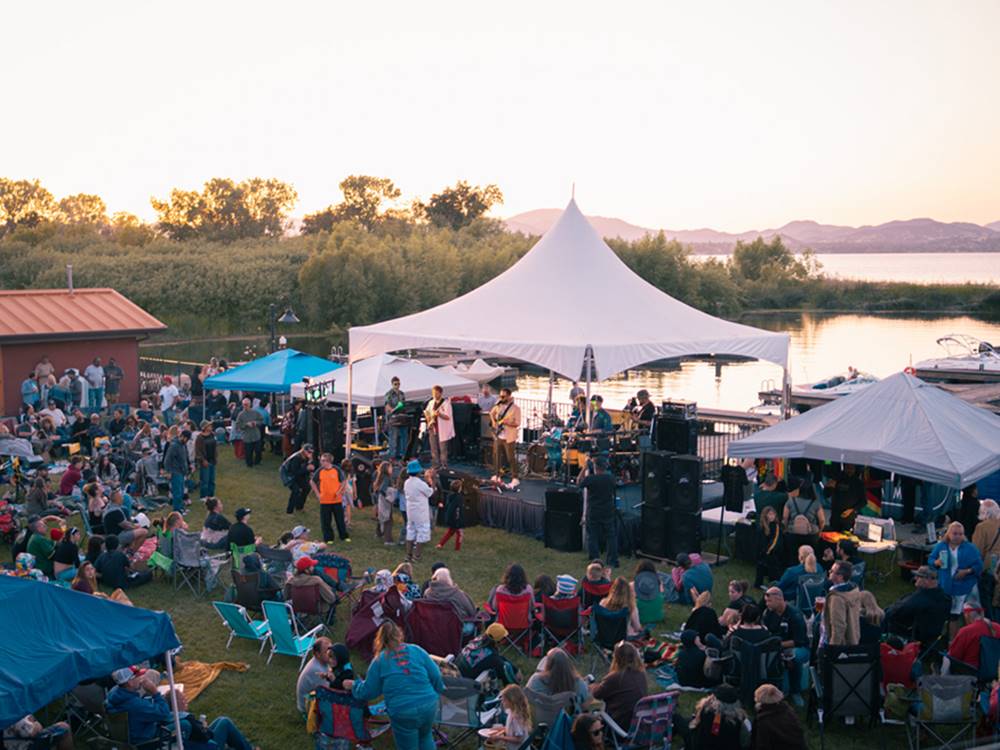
{"x": 94, "y": 373}
{"x": 55, "y": 413}
{"x": 168, "y": 395}
{"x": 418, "y": 513}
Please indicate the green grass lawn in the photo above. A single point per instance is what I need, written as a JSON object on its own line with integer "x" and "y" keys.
{"x": 262, "y": 700}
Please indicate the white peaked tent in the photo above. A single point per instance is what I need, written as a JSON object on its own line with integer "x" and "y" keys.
{"x": 567, "y": 299}
{"x": 900, "y": 424}
{"x": 372, "y": 378}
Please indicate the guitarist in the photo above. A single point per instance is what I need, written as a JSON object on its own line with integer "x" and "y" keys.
{"x": 505, "y": 418}
{"x": 396, "y": 419}
{"x": 440, "y": 426}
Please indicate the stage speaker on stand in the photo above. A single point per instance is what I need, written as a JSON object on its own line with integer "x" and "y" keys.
{"x": 563, "y": 513}
{"x": 676, "y": 433}
{"x": 655, "y": 467}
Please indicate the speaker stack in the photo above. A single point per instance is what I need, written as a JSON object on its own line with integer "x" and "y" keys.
{"x": 676, "y": 432}
{"x": 465, "y": 445}
{"x": 325, "y": 430}
{"x": 671, "y": 504}
{"x": 563, "y": 513}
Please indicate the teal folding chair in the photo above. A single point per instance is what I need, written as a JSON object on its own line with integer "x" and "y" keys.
{"x": 285, "y": 638}
{"x": 241, "y": 625}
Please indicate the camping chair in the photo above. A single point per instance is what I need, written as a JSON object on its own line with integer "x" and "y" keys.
{"x": 187, "y": 561}
{"x": 561, "y": 624}
{"x": 308, "y": 603}
{"x": 515, "y": 612}
{"x": 858, "y": 577}
{"x": 809, "y": 586}
{"x": 249, "y": 594}
{"x": 460, "y": 710}
{"x": 285, "y": 638}
{"x": 275, "y": 561}
{"x": 341, "y": 720}
{"x": 756, "y": 664}
{"x": 652, "y": 723}
{"x": 546, "y": 708}
{"x": 118, "y": 734}
{"x": 650, "y": 610}
{"x": 591, "y": 593}
{"x": 338, "y": 568}
{"x": 241, "y": 625}
{"x": 162, "y": 557}
{"x": 897, "y": 664}
{"x": 944, "y": 701}
{"x": 86, "y": 713}
{"x": 369, "y": 613}
{"x": 607, "y": 627}
{"x": 237, "y": 553}
{"x": 846, "y": 683}
{"x": 435, "y": 627}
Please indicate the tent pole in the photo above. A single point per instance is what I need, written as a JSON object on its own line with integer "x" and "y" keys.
{"x": 350, "y": 398}
{"x": 552, "y": 378}
{"x": 588, "y": 358}
{"x": 173, "y": 701}
{"x": 786, "y": 395}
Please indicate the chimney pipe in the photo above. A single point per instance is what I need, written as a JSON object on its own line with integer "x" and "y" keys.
{"x": 69, "y": 277}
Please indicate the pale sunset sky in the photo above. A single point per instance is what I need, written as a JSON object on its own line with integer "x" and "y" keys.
{"x": 732, "y": 115}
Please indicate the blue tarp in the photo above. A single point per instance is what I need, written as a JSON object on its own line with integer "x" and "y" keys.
{"x": 274, "y": 373}
{"x": 53, "y": 638}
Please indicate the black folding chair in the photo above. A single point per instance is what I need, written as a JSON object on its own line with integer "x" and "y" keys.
{"x": 756, "y": 664}
{"x": 846, "y": 683}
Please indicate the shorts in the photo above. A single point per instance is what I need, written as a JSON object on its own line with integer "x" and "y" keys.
{"x": 126, "y": 537}
{"x": 418, "y": 531}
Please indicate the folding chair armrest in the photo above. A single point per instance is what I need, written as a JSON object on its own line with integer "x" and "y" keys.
{"x": 585, "y": 612}
{"x": 817, "y": 684}
{"x": 610, "y": 723}
{"x": 313, "y": 632}
{"x": 487, "y": 609}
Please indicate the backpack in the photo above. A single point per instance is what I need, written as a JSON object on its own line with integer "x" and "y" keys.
{"x": 285, "y": 472}
{"x": 801, "y": 525}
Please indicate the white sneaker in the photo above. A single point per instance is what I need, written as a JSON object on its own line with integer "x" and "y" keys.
{"x": 515, "y": 482}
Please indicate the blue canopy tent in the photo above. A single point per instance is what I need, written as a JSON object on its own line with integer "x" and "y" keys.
{"x": 274, "y": 373}
{"x": 54, "y": 638}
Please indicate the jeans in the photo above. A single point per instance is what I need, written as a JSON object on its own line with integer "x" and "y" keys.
{"x": 397, "y": 444}
{"x": 412, "y": 730}
{"x": 799, "y": 677}
{"x": 602, "y": 534}
{"x": 297, "y": 495}
{"x": 168, "y": 417}
{"x": 439, "y": 449}
{"x": 226, "y": 734}
{"x": 206, "y": 480}
{"x": 329, "y": 512}
{"x": 252, "y": 452}
{"x": 177, "y": 491}
{"x": 95, "y": 397}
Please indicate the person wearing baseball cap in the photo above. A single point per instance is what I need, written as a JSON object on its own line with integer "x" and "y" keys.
{"x": 922, "y": 614}
{"x": 304, "y": 577}
{"x": 482, "y": 654}
{"x": 295, "y": 472}
{"x": 964, "y": 646}
{"x": 240, "y": 533}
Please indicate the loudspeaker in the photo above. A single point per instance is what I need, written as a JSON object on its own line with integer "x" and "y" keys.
{"x": 564, "y": 500}
{"x": 734, "y": 479}
{"x": 466, "y": 441}
{"x": 655, "y": 478}
{"x": 683, "y": 533}
{"x": 653, "y": 536}
{"x": 563, "y": 531}
{"x": 676, "y": 434}
{"x": 331, "y": 433}
{"x": 685, "y": 484}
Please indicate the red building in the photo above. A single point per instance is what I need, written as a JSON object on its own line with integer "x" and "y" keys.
{"x": 71, "y": 328}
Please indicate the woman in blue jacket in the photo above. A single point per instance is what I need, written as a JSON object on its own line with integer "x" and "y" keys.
{"x": 410, "y": 682}
{"x": 959, "y": 566}
{"x": 789, "y": 581}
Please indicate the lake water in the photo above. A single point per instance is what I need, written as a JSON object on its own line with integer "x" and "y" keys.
{"x": 923, "y": 268}
{"x": 821, "y": 346}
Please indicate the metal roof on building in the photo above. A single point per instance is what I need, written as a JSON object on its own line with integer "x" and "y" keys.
{"x": 27, "y": 314}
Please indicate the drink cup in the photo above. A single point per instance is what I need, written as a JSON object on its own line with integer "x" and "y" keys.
{"x": 820, "y": 603}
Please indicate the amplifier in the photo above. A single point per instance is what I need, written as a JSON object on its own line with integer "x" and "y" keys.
{"x": 685, "y": 409}
{"x": 677, "y": 434}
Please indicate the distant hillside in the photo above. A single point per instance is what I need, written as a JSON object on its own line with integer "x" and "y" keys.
{"x": 913, "y": 235}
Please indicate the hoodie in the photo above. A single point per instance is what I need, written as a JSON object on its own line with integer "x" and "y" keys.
{"x": 145, "y": 713}
{"x": 439, "y": 591}
{"x": 777, "y": 728}
{"x": 842, "y": 615}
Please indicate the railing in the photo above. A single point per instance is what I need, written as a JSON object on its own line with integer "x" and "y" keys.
{"x": 152, "y": 370}
{"x": 716, "y": 427}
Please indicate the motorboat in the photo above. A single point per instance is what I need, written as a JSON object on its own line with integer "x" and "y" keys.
{"x": 967, "y": 359}
{"x": 836, "y": 386}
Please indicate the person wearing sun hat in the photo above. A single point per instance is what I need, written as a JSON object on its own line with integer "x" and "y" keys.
{"x": 418, "y": 513}
{"x": 305, "y": 575}
{"x": 482, "y": 654}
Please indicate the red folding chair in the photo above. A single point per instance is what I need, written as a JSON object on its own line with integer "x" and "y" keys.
{"x": 897, "y": 664}
{"x": 307, "y": 603}
{"x": 515, "y": 612}
{"x": 562, "y": 625}
{"x": 592, "y": 592}
{"x": 435, "y": 627}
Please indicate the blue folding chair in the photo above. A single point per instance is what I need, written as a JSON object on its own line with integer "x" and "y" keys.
{"x": 285, "y": 638}
{"x": 809, "y": 587}
{"x": 241, "y": 625}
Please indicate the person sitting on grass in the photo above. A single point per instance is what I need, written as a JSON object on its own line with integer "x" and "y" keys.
{"x": 748, "y": 628}
{"x": 690, "y": 664}
{"x": 30, "y": 734}
{"x": 482, "y": 654}
{"x": 703, "y": 619}
{"x": 739, "y": 597}
{"x": 115, "y": 570}
{"x": 691, "y": 576}
{"x": 620, "y": 597}
{"x": 116, "y": 521}
{"x": 305, "y": 576}
{"x": 556, "y": 674}
{"x": 514, "y": 582}
{"x": 66, "y": 555}
{"x": 86, "y": 583}
{"x": 136, "y": 694}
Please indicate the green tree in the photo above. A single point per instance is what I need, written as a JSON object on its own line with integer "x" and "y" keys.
{"x": 129, "y": 229}
{"x": 83, "y": 208}
{"x": 24, "y": 203}
{"x": 761, "y": 260}
{"x": 459, "y": 206}
{"x": 226, "y": 210}
{"x": 364, "y": 197}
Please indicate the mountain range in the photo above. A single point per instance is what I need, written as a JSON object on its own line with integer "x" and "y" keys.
{"x": 909, "y": 236}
